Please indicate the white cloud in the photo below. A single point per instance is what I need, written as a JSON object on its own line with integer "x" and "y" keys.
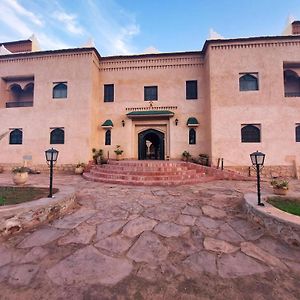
{"x": 150, "y": 50}
{"x": 22, "y": 28}
{"x": 113, "y": 27}
{"x": 57, "y": 24}
{"x": 18, "y": 8}
{"x": 50, "y": 42}
{"x": 10, "y": 19}
{"x": 69, "y": 20}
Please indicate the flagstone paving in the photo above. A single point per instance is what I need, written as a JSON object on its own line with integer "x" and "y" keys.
{"x": 184, "y": 242}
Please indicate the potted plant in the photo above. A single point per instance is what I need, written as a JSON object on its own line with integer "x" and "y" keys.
{"x": 118, "y": 152}
{"x": 20, "y": 175}
{"x": 186, "y": 156}
{"x": 97, "y": 156}
{"x": 280, "y": 186}
{"x": 79, "y": 168}
{"x": 203, "y": 159}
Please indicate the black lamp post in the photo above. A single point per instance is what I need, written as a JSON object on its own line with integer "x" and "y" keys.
{"x": 258, "y": 159}
{"x": 51, "y": 158}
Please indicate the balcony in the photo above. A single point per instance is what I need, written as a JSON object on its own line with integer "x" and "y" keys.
{"x": 19, "y": 104}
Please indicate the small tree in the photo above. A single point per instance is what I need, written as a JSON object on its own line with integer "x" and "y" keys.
{"x": 118, "y": 151}
{"x": 97, "y": 155}
{"x": 186, "y": 155}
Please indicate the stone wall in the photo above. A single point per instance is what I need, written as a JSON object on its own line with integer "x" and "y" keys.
{"x": 278, "y": 223}
{"x": 14, "y": 218}
{"x": 267, "y": 171}
{"x": 61, "y": 168}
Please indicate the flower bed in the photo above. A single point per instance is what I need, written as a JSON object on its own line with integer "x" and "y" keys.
{"x": 277, "y": 222}
{"x": 15, "y": 195}
{"x": 288, "y": 204}
{"x": 28, "y": 214}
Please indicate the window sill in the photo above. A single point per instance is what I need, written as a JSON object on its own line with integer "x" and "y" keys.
{"x": 291, "y": 95}
{"x": 19, "y": 104}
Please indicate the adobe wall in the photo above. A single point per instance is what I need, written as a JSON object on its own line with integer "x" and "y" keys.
{"x": 170, "y": 74}
{"x": 230, "y": 108}
{"x": 72, "y": 113}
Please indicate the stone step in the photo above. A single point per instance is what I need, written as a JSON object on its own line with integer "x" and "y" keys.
{"x": 157, "y": 173}
{"x": 144, "y": 168}
{"x": 89, "y": 176}
{"x": 136, "y": 177}
{"x": 101, "y": 171}
{"x": 147, "y": 163}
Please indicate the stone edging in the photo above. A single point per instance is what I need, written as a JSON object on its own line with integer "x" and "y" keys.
{"x": 277, "y": 222}
{"x": 14, "y": 218}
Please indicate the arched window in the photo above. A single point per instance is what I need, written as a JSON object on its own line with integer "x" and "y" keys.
{"x": 291, "y": 84}
{"x": 60, "y": 90}
{"x": 298, "y": 133}
{"x": 248, "y": 82}
{"x": 250, "y": 134}
{"x": 108, "y": 137}
{"x": 57, "y": 136}
{"x": 192, "y": 136}
{"x": 16, "y": 137}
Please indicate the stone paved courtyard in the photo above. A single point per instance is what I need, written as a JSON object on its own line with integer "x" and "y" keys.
{"x": 122, "y": 242}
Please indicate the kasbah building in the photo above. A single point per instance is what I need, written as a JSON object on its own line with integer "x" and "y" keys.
{"x": 233, "y": 97}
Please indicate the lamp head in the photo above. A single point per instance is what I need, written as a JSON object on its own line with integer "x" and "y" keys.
{"x": 257, "y": 158}
{"x": 51, "y": 155}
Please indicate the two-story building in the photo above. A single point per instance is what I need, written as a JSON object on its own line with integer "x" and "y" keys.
{"x": 233, "y": 97}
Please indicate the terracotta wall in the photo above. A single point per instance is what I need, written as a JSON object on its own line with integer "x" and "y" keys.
{"x": 19, "y": 46}
{"x": 268, "y": 106}
{"x": 170, "y": 74}
{"x": 73, "y": 113}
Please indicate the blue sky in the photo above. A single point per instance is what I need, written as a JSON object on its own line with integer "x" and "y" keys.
{"x": 137, "y": 26}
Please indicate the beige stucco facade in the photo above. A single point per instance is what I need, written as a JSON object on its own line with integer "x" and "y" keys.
{"x": 220, "y": 107}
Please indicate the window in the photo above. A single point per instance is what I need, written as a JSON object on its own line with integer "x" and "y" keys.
{"x": 191, "y": 89}
{"x": 60, "y": 90}
{"x": 18, "y": 96}
{"x": 250, "y": 133}
{"x": 192, "y": 136}
{"x": 108, "y": 137}
{"x": 298, "y": 133}
{"x": 249, "y": 82}
{"x": 150, "y": 93}
{"x": 16, "y": 137}
{"x": 291, "y": 84}
{"x": 108, "y": 93}
{"x": 57, "y": 136}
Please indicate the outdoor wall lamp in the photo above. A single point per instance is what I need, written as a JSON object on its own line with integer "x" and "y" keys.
{"x": 176, "y": 122}
{"x": 123, "y": 123}
{"x": 51, "y": 158}
{"x": 258, "y": 159}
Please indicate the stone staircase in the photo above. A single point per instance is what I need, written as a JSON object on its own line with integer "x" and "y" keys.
{"x": 151, "y": 173}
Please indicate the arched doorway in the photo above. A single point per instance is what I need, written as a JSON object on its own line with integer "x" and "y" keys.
{"x": 151, "y": 144}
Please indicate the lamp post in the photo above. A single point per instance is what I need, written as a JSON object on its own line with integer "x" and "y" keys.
{"x": 258, "y": 159}
{"x": 51, "y": 158}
